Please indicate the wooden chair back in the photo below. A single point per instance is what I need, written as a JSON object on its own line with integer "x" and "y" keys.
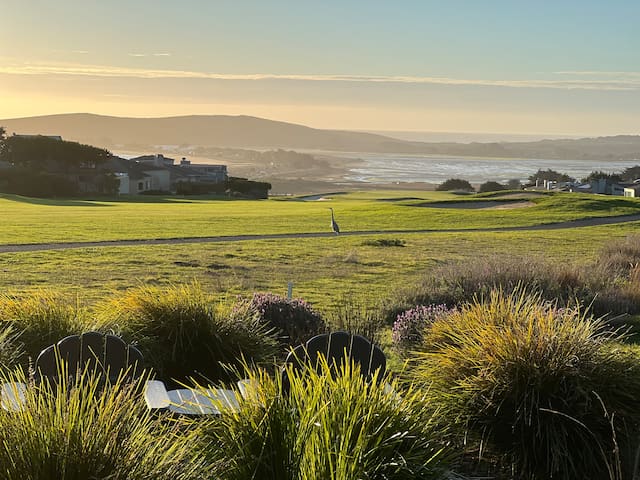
{"x": 106, "y": 354}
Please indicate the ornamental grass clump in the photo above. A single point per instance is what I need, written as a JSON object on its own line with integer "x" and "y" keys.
{"x": 547, "y": 388}
{"x": 79, "y": 431}
{"x": 184, "y": 333}
{"x": 10, "y": 348}
{"x": 326, "y": 427}
{"x": 294, "y": 319}
{"x": 409, "y": 328}
{"x": 40, "y": 319}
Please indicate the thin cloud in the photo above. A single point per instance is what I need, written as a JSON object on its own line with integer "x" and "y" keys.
{"x": 627, "y": 82}
{"x": 600, "y": 73}
{"x": 162, "y": 54}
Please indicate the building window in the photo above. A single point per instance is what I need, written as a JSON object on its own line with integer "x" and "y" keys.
{"x": 140, "y": 186}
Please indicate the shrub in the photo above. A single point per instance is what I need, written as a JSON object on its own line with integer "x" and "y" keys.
{"x": 599, "y": 287}
{"x": 385, "y": 242}
{"x": 409, "y": 327}
{"x": 294, "y": 319}
{"x": 545, "y": 386}
{"x": 620, "y": 295}
{"x": 460, "y": 282}
{"x": 326, "y": 427}
{"x": 77, "y": 431}
{"x": 455, "y": 184}
{"x": 355, "y": 316}
{"x": 618, "y": 257}
{"x": 40, "y": 319}
{"x": 184, "y": 333}
{"x": 491, "y": 187}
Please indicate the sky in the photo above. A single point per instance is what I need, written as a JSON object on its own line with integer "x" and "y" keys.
{"x": 560, "y": 67}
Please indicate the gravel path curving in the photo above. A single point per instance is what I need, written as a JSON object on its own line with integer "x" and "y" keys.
{"x": 36, "y": 247}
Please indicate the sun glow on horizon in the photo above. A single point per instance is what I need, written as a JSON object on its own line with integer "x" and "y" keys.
{"x": 513, "y": 68}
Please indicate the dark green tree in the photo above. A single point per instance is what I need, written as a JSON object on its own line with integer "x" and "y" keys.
{"x": 455, "y": 184}
{"x": 514, "y": 184}
{"x": 599, "y": 174}
{"x": 48, "y": 167}
{"x": 491, "y": 187}
{"x": 42, "y": 153}
{"x": 3, "y": 133}
{"x": 550, "y": 175}
{"x": 631, "y": 173}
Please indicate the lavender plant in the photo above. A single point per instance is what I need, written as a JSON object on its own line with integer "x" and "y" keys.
{"x": 294, "y": 319}
{"x": 408, "y": 329}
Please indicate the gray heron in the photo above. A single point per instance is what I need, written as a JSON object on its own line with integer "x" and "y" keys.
{"x": 334, "y": 225}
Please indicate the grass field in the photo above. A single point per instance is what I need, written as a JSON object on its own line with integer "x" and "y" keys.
{"x": 324, "y": 271}
{"x": 27, "y": 220}
{"x": 355, "y": 276}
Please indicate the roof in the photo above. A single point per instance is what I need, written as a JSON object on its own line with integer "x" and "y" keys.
{"x": 134, "y": 169}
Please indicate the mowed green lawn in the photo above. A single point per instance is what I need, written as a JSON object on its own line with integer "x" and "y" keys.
{"x": 326, "y": 271}
{"x": 26, "y": 220}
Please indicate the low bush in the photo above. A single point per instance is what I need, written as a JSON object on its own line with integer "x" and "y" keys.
{"x": 460, "y": 282}
{"x": 294, "y": 319}
{"x": 620, "y": 297}
{"x": 184, "y": 333}
{"x": 329, "y": 427}
{"x": 544, "y": 386}
{"x": 409, "y": 328}
{"x": 356, "y": 316}
{"x": 491, "y": 187}
{"x": 72, "y": 432}
{"x": 385, "y": 242}
{"x": 455, "y": 184}
{"x": 618, "y": 257}
{"x": 40, "y": 319}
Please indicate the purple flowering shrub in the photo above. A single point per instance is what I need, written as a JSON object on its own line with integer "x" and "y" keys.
{"x": 294, "y": 319}
{"x": 408, "y": 329}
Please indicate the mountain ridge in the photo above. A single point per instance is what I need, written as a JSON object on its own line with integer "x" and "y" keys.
{"x": 244, "y": 131}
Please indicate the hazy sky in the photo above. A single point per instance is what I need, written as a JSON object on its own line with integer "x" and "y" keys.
{"x": 545, "y": 66}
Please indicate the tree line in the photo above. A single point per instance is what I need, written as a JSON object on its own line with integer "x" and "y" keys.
{"x": 42, "y": 166}
{"x": 629, "y": 174}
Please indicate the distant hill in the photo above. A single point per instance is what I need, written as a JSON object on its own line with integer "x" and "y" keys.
{"x": 258, "y": 133}
{"x": 213, "y": 130}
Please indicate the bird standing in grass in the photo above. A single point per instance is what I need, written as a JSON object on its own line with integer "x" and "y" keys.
{"x": 334, "y": 225}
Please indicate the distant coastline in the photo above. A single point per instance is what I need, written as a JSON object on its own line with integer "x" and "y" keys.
{"x": 468, "y": 137}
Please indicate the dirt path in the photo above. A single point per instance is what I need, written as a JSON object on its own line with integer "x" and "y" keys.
{"x": 36, "y": 247}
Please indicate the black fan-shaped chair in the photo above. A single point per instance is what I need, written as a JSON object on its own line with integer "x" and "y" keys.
{"x": 337, "y": 348}
{"x": 106, "y": 355}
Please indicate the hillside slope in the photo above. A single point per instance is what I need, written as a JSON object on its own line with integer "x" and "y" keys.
{"x": 259, "y": 133}
{"x": 214, "y": 130}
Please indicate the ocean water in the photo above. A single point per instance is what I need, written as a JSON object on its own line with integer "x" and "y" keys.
{"x": 377, "y": 168}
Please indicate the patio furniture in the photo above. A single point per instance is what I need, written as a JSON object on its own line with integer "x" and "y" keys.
{"x": 106, "y": 355}
{"x": 337, "y": 348}
{"x": 189, "y": 401}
